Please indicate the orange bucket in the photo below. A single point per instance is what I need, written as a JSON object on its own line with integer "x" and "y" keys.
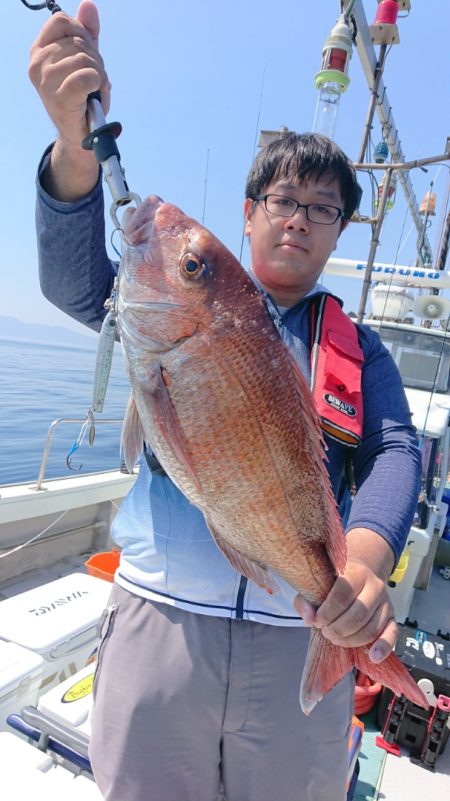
{"x": 103, "y": 565}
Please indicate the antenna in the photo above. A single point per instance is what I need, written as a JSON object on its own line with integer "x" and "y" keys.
{"x": 206, "y": 185}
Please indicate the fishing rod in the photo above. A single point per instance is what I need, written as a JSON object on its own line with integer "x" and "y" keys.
{"x": 101, "y": 138}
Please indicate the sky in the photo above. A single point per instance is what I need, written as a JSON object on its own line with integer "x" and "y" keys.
{"x": 192, "y": 84}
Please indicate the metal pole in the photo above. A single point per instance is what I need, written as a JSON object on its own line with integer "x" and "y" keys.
{"x": 368, "y": 60}
{"x": 373, "y": 245}
{"x": 443, "y": 249}
{"x": 48, "y": 442}
{"x": 373, "y": 101}
{"x": 403, "y": 166}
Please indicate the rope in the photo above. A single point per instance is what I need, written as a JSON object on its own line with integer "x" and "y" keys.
{"x": 36, "y": 536}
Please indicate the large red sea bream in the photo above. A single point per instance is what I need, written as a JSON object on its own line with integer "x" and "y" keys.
{"x": 226, "y": 411}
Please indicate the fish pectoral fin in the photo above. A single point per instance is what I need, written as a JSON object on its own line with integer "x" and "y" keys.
{"x": 245, "y": 566}
{"x": 132, "y": 440}
{"x": 168, "y": 422}
{"x": 326, "y": 664}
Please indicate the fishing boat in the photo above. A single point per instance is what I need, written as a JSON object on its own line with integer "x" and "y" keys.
{"x": 57, "y": 558}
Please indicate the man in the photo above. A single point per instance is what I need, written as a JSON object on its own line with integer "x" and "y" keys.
{"x": 198, "y": 669}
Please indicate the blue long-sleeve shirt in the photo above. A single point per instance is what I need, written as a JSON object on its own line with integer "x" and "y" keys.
{"x": 167, "y": 551}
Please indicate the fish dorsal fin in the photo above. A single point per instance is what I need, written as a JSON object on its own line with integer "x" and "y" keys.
{"x": 132, "y": 440}
{"x": 335, "y": 546}
{"x": 245, "y": 566}
{"x": 309, "y": 413}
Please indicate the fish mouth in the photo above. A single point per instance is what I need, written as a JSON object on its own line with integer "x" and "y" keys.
{"x": 138, "y": 219}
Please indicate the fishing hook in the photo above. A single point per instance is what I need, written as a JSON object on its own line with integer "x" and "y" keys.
{"x": 115, "y": 231}
{"x": 89, "y": 424}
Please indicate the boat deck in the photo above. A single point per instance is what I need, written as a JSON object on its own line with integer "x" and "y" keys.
{"x": 402, "y": 778}
{"x": 384, "y": 776}
{"x": 38, "y": 576}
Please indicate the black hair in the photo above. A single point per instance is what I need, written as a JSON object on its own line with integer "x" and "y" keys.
{"x": 301, "y": 156}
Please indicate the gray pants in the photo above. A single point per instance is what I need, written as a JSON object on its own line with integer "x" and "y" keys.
{"x": 184, "y": 702}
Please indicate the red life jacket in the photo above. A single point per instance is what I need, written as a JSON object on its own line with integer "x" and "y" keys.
{"x": 336, "y": 365}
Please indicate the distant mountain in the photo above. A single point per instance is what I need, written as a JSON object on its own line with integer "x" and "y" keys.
{"x": 12, "y": 328}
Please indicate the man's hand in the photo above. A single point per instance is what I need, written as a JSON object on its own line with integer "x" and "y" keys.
{"x": 65, "y": 66}
{"x": 358, "y": 610}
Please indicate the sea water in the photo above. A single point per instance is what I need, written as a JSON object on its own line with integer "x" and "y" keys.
{"x": 44, "y": 382}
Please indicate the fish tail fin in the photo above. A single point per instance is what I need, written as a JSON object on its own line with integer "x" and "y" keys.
{"x": 326, "y": 664}
{"x": 390, "y": 673}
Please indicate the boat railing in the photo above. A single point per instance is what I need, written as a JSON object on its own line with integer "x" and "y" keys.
{"x": 49, "y": 437}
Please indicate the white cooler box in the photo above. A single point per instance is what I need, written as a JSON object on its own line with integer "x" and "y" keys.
{"x": 70, "y": 703}
{"x": 58, "y": 621}
{"x": 21, "y": 674}
{"x": 28, "y": 773}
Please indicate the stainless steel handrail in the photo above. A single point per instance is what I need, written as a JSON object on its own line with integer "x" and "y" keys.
{"x": 48, "y": 441}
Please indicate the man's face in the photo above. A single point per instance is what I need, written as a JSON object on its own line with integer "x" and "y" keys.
{"x": 289, "y": 253}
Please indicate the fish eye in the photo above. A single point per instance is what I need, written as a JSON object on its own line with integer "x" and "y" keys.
{"x": 191, "y": 266}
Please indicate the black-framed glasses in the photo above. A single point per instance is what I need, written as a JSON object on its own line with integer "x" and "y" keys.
{"x": 315, "y": 212}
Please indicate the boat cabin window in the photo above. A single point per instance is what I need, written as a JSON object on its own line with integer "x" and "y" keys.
{"x": 422, "y": 358}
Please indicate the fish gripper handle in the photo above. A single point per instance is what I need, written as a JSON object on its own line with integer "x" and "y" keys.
{"x": 102, "y": 140}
